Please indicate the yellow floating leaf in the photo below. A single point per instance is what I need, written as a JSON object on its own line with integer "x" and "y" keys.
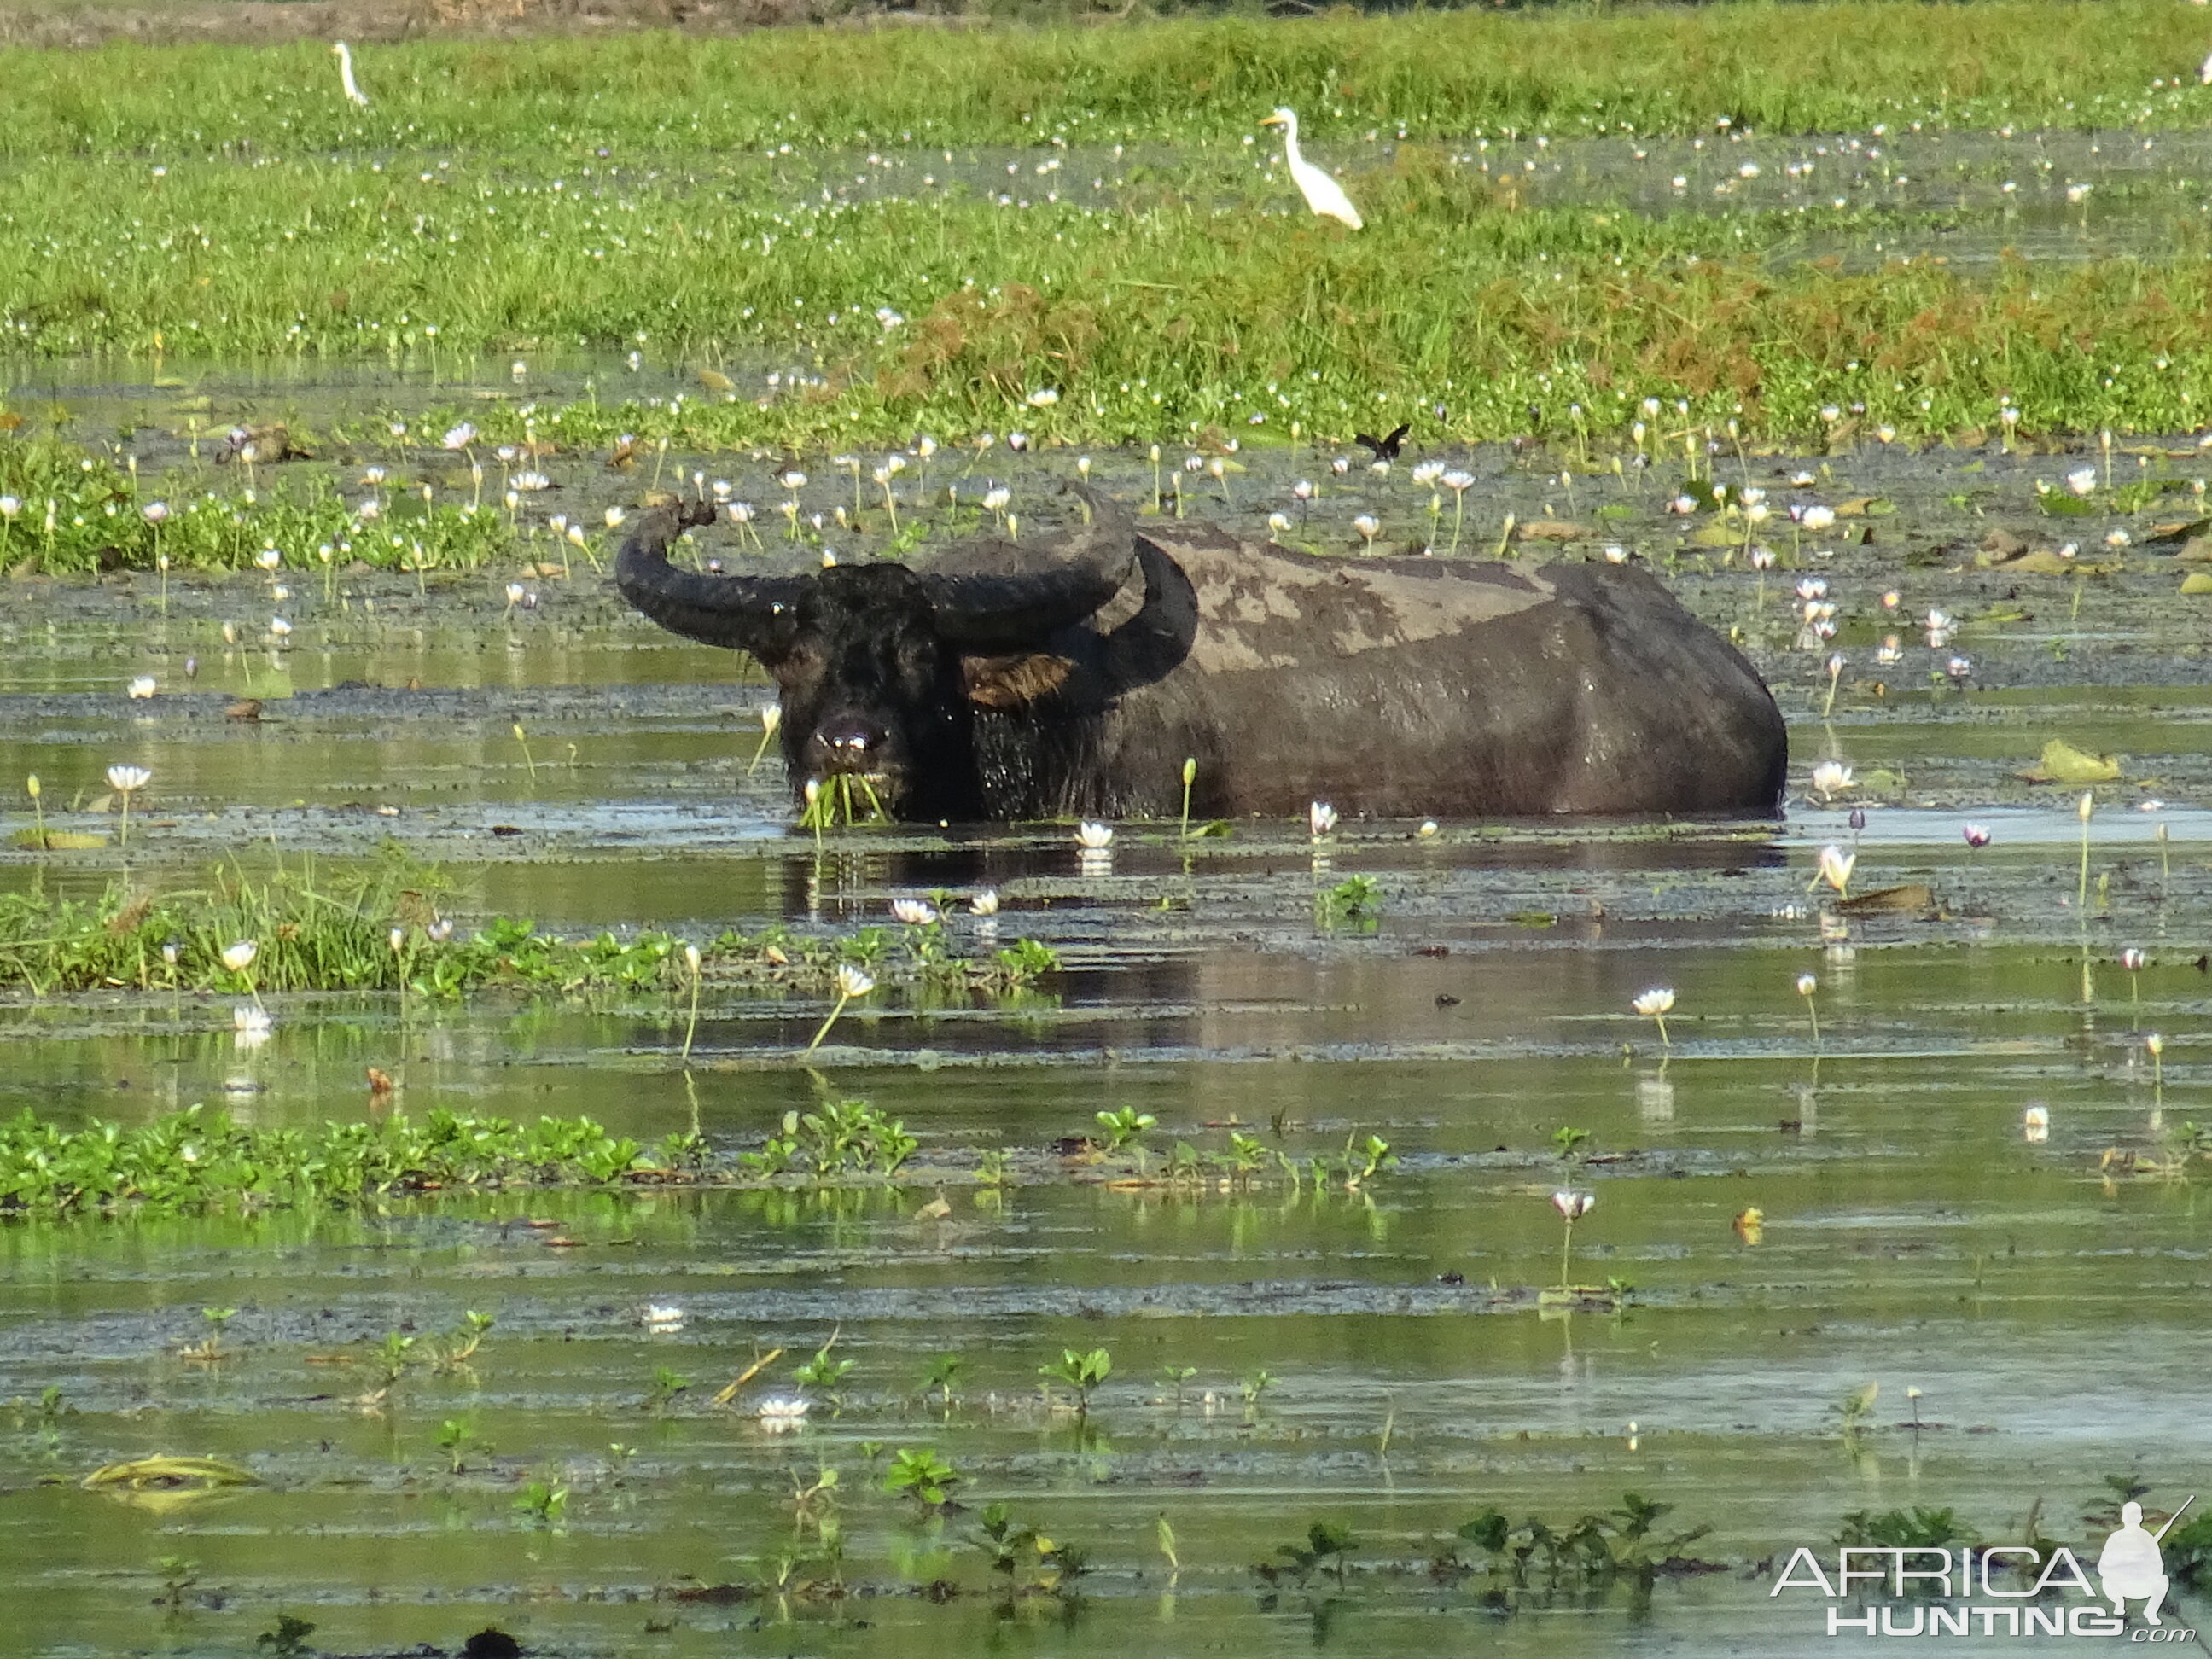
{"x": 2197, "y": 582}
{"x": 2063, "y": 763}
{"x": 715, "y": 380}
{"x": 61, "y": 841}
{"x": 170, "y": 1471}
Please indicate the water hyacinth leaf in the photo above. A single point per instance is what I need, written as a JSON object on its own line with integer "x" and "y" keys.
{"x": 2062, "y": 763}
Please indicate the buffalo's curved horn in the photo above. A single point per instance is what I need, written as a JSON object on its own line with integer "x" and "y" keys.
{"x": 987, "y": 611}
{"x": 758, "y": 614}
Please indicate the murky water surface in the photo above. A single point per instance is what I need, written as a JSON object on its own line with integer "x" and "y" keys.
{"x": 1376, "y": 1357}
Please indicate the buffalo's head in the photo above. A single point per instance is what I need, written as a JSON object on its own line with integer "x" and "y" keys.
{"x": 880, "y": 667}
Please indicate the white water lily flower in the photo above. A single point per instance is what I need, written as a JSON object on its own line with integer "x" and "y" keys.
{"x": 1819, "y": 517}
{"x": 1572, "y": 1205}
{"x": 142, "y": 687}
{"x": 1093, "y": 837}
{"x": 279, "y": 627}
{"x": 985, "y": 903}
{"x": 2035, "y": 1125}
{"x": 246, "y": 1017}
{"x": 1832, "y": 777}
{"x": 853, "y": 981}
{"x": 781, "y": 1414}
{"x": 1044, "y": 398}
{"x": 663, "y": 1318}
{"x": 10, "y": 505}
{"x": 1836, "y": 866}
{"x": 461, "y": 437}
{"x": 2081, "y": 480}
{"x": 914, "y": 912}
{"x": 124, "y": 779}
{"x": 239, "y": 956}
{"x": 1658, "y": 1000}
{"x": 1428, "y": 472}
{"x": 1807, "y": 984}
{"x": 1320, "y": 818}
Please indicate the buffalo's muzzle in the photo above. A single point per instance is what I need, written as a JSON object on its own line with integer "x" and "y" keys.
{"x": 849, "y": 745}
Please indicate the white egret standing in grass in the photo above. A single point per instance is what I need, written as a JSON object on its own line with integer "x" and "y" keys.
{"x": 1322, "y": 193}
{"x": 343, "y": 53}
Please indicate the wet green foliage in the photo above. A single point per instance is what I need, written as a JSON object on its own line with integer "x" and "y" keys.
{"x": 844, "y": 1137}
{"x": 1024, "y": 1561}
{"x": 381, "y": 930}
{"x": 1591, "y": 1551}
{"x": 1327, "y": 1546}
{"x": 1081, "y": 1373}
{"x": 76, "y": 511}
{"x": 200, "y": 1158}
{"x": 922, "y": 1475}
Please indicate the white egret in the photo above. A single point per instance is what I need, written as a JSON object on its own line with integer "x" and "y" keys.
{"x": 1322, "y": 193}
{"x": 343, "y": 53}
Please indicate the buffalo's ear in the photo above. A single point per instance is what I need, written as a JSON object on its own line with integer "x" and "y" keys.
{"x": 1004, "y": 683}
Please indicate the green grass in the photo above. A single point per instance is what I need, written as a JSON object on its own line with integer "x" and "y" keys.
{"x": 213, "y": 203}
{"x": 1563, "y": 69}
{"x": 381, "y": 931}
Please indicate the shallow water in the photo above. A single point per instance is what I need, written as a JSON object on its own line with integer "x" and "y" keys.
{"x": 2048, "y": 1307}
{"x": 1912, "y": 1235}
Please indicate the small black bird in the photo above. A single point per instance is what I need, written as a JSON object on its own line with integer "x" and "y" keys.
{"x": 1383, "y": 449}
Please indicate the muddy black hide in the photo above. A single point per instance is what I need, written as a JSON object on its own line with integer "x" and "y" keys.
{"x": 1005, "y": 682}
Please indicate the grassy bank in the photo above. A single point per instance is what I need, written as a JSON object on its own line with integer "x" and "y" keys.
{"x": 1802, "y": 68}
{"x": 1144, "y": 319}
{"x": 687, "y": 201}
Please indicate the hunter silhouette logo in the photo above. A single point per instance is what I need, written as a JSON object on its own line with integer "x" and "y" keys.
{"x": 2130, "y": 1565}
{"x": 1995, "y": 1589}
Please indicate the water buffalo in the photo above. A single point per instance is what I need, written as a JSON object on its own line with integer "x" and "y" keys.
{"x": 1000, "y": 684}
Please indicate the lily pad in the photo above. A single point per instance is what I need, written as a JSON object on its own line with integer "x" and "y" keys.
{"x": 2197, "y": 582}
{"x": 2062, "y": 763}
{"x": 61, "y": 841}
